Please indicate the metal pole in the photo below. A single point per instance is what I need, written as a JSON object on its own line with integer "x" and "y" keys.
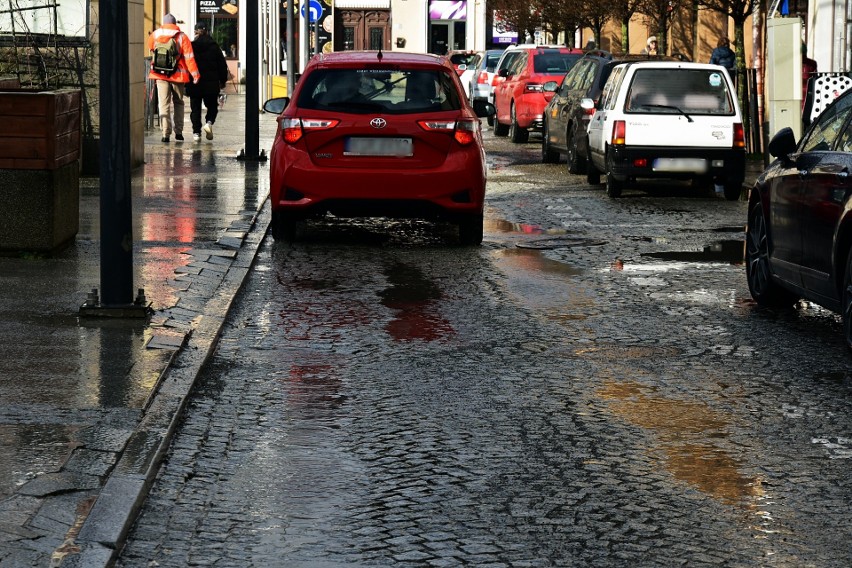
{"x": 316, "y": 35}
{"x": 306, "y": 34}
{"x": 116, "y": 212}
{"x": 252, "y": 150}
{"x": 291, "y": 50}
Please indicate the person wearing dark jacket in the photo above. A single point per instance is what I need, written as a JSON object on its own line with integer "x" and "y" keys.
{"x": 725, "y": 56}
{"x": 214, "y": 74}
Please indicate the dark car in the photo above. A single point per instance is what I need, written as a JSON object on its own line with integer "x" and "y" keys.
{"x": 799, "y": 233}
{"x": 565, "y": 121}
{"x": 373, "y": 134}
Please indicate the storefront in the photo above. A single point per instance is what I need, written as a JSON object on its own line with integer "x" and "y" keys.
{"x": 447, "y": 26}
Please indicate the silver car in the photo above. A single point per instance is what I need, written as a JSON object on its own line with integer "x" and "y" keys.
{"x": 480, "y": 81}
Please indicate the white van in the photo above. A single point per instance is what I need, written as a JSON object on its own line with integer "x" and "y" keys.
{"x": 667, "y": 119}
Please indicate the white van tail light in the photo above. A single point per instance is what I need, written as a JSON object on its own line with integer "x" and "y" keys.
{"x": 619, "y": 132}
{"x": 739, "y": 135}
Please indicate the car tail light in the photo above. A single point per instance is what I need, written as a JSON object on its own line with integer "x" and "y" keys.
{"x": 739, "y": 135}
{"x": 619, "y": 132}
{"x": 533, "y": 88}
{"x": 464, "y": 131}
{"x": 293, "y": 128}
{"x": 482, "y": 78}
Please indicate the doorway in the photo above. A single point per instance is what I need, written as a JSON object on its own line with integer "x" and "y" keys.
{"x": 446, "y": 35}
{"x": 362, "y": 29}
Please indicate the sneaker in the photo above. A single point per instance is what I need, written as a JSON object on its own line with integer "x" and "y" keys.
{"x": 208, "y": 130}
{"x": 196, "y": 137}
{"x": 164, "y": 139}
{"x": 178, "y": 137}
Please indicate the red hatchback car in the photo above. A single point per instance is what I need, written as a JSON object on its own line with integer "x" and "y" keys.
{"x": 377, "y": 134}
{"x": 519, "y": 88}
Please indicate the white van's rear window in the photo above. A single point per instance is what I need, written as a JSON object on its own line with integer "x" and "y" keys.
{"x": 673, "y": 90}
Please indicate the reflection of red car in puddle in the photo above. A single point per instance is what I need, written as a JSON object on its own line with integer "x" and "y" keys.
{"x": 414, "y": 299}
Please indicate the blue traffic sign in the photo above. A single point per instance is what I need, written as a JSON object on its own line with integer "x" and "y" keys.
{"x": 315, "y": 10}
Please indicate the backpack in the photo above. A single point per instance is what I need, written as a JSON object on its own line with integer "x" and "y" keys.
{"x": 166, "y": 55}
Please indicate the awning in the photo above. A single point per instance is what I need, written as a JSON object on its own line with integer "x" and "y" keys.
{"x": 362, "y": 4}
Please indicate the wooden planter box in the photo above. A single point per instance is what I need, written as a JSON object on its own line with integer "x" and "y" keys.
{"x": 39, "y": 130}
{"x": 39, "y": 168}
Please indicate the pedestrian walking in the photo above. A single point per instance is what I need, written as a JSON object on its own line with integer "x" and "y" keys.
{"x": 172, "y": 67}
{"x": 214, "y": 74}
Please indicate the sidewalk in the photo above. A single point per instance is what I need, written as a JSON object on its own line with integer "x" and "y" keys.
{"x": 88, "y": 405}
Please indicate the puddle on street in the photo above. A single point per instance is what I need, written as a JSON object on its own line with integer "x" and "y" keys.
{"x": 503, "y": 226}
{"x": 544, "y": 284}
{"x": 313, "y": 388}
{"x": 414, "y": 298}
{"x": 31, "y": 450}
{"x": 727, "y": 251}
{"x": 611, "y": 352}
{"x": 684, "y": 431}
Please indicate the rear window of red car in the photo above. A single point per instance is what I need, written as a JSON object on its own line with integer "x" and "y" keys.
{"x": 362, "y": 91}
{"x": 554, "y": 62}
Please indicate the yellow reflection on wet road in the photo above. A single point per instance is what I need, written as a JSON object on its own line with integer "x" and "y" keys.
{"x": 685, "y": 431}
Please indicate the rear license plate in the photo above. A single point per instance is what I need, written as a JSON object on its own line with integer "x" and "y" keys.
{"x": 693, "y": 165}
{"x": 378, "y": 147}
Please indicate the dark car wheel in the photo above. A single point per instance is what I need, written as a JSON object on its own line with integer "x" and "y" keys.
{"x": 517, "y": 134}
{"x": 499, "y": 129}
{"x": 847, "y": 301}
{"x": 576, "y": 162}
{"x": 548, "y": 154}
{"x": 763, "y": 288}
{"x": 470, "y": 230}
{"x": 285, "y": 227}
{"x": 733, "y": 190}
{"x": 613, "y": 186}
{"x": 593, "y": 175}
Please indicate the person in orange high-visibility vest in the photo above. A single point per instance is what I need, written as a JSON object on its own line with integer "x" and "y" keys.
{"x": 171, "y": 87}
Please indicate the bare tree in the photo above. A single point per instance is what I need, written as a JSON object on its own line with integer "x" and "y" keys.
{"x": 738, "y": 11}
{"x": 659, "y": 15}
{"x": 624, "y": 11}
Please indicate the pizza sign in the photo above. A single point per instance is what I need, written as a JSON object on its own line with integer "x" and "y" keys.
{"x": 217, "y": 7}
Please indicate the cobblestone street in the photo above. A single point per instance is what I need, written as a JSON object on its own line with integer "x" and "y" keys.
{"x": 591, "y": 387}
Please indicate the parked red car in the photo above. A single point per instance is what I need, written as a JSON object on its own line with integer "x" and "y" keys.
{"x": 377, "y": 134}
{"x": 519, "y": 90}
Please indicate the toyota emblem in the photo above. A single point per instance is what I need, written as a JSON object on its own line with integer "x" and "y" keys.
{"x": 378, "y": 123}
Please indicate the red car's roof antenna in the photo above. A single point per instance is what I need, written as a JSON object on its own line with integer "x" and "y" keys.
{"x": 379, "y": 54}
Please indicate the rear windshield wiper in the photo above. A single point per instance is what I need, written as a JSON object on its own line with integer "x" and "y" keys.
{"x": 678, "y": 109}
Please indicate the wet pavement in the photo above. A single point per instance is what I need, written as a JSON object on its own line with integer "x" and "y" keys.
{"x": 88, "y": 405}
{"x": 606, "y": 394}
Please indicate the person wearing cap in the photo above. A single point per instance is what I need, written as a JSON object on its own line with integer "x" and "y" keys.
{"x": 650, "y": 46}
{"x": 214, "y": 74}
{"x": 171, "y": 88}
